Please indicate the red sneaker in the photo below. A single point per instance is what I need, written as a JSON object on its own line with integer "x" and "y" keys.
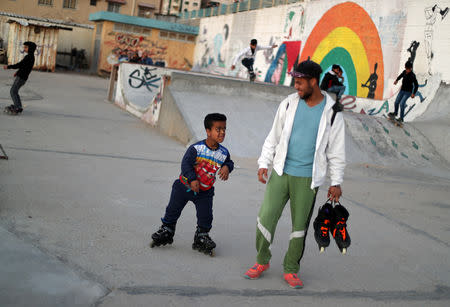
{"x": 293, "y": 280}
{"x": 255, "y": 271}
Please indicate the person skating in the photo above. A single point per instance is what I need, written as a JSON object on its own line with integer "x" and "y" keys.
{"x": 409, "y": 88}
{"x": 301, "y": 146}
{"x": 333, "y": 82}
{"x": 200, "y": 164}
{"x": 248, "y": 57}
{"x": 21, "y": 76}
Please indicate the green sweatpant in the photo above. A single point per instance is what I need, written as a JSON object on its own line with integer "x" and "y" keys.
{"x": 279, "y": 190}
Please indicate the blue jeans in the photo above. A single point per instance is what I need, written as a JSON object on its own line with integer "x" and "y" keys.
{"x": 18, "y": 83}
{"x": 401, "y": 101}
{"x": 248, "y": 62}
{"x": 179, "y": 198}
{"x": 338, "y": 90}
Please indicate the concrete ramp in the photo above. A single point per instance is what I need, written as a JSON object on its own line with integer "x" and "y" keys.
{"x": 249, "y": 107}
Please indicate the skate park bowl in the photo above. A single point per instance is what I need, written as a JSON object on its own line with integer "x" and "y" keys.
{"x": 184, "y": 98}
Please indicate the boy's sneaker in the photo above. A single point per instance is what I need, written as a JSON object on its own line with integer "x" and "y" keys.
{"x": 392, "y": 115}
{"x": 293, "y": 280}
{"x": 255, "y": 271}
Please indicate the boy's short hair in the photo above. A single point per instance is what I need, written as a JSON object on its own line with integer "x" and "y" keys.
{"x": 213, "y": 117}
{"x": 336, "y": 66}
{"x": 408, "y": 65}
{"x": 253, "y": 42}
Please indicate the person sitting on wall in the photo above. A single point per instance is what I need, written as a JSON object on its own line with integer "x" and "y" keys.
{"x": 146, "y": 60}
{"x": 248, "y": 54}
{"x": 123, "y": 57}
{"x": 134, "y": 58}
{"x": 333, "y": 82}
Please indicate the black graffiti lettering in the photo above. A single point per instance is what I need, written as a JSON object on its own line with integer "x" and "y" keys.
{"x": 144, "y": 76}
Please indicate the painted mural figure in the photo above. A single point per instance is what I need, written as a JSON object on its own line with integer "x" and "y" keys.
{"x": 199, "y": 167}
{"x": 291, "y": 148}
{"x": 248, "y": 57}
{"x": 412, "y": 51}
{"x": 333, "y": 82}
{"x": 430, "y": 16}
{"x": 21, "y": 76}
{"x": 409, "y": 88}
{"x": 371, "y": 83}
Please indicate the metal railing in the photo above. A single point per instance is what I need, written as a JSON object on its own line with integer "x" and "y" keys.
{"x": 242, "y": 6}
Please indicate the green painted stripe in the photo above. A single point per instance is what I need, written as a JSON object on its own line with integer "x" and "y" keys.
{"x": 341, "y": 57}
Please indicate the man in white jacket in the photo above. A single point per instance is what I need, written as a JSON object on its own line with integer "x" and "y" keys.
{"x": 248, "y": 54}
{"x": 302, "y": 144}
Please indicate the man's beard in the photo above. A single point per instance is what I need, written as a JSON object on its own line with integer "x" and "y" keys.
{"x": 307, "y": 94}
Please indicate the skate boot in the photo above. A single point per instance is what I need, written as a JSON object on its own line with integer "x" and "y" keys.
{"x": 13, "y": 110}
{"x": 322, "y": 225}
{"x": 163, "y": 236}
{"x": 391, "y": 115}
{"x": 252, "y": 76}
{"x": 203, "y": 242}
{"x": 339, "y": 228}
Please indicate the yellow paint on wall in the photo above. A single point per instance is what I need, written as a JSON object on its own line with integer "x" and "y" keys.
{"x": 347, "y": 39}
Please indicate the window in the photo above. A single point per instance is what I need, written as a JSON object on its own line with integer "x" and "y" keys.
{"x": 163, "y": 34}
{"x": 45, "y": 2}
{"x": 70, "y": 4}
{"x": 93, "y": 2}
{"x": 113, "y": 7}
{"x": 129, "y": 29}
{"x": 195, "y": 4}
{"x": 145, "y": 12}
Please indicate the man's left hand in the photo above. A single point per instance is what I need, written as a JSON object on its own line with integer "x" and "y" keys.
{"x": 412, "y": 95}
{"x": 224, "y": 172}
{"x": 334, "y": 193}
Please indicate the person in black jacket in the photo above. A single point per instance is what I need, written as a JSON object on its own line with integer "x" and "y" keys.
{"x": 333, "y": 82}
{"x": 25, "y": 66}
{"x": 409, "y": 89}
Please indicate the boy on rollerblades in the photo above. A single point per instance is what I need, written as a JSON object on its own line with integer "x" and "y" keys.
{"x": 25, "y": 66}
{"x": 248, "y": 54}
{"x": 200, "y": 164}
{"x": 301, "y": 146}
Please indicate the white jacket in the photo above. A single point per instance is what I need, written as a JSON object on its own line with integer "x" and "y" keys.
{"x": 247, "y": 53}
{"x": 330, "y": 142}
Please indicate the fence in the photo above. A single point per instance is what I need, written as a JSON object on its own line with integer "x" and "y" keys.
{"x": 242, "y": 6}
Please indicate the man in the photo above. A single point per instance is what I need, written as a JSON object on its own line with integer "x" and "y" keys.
{"x": 333, "y": 82}
{"x": 300, "y": 146}
{"x": 21, "y": 76}
{"x": 409, "y": 88}
{"x": 248, "y": 54}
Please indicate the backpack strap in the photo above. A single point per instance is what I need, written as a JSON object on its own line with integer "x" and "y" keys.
{"x": 337, "y": 107}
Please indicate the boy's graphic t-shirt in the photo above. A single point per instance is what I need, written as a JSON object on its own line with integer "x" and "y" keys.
{"x": 202, "y": 163}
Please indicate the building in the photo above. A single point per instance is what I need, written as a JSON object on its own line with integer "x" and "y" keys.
{"x": 177, "y": 6}
{"x": 78, "y": 11}
{"x": 166, "y": 44}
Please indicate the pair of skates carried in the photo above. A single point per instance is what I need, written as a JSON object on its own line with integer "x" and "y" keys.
{"x": 332, "y": 220}
{"x": 202, "y": 241}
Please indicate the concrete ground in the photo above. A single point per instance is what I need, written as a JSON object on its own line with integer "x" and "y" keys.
{"x": 87, "y": 183}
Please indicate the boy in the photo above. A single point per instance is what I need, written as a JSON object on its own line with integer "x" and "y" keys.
{"x": 409, "y": 89}
{"x": 25, "y": 66}
{"x": 249, "y": 55}
{"x": 333, "y": 82}
{"x": 199, "y": 166}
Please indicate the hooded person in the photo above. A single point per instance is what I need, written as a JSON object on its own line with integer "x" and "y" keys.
{"x": 21, "y": 76}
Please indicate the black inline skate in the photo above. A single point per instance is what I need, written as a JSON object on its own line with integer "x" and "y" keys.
{"x": 203, "y": 242}
{"x": 339, "y": 228}
{"x": 322, "y": 225}
{"x": 163, "y": 236}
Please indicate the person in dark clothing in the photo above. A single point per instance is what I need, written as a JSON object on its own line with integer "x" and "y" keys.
{"x": 409, "y": 88}
{"x": 333, "y": 82}
{"x": 199, "y": 167}
{"x": 25, "y": 66}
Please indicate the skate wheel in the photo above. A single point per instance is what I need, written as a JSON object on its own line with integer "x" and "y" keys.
{"x": 344, "y": 251}
{"x": 322, "y": 249}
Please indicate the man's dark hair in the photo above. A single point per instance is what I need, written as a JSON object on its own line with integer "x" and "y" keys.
{"x": 253, "y": 42}
{"x": 408, "y": 65}
{"x": 213, "y": 117}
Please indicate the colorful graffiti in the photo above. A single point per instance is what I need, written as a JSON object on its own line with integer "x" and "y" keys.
{"x": 346, "y": 35}
{"x": 284, "y": 61}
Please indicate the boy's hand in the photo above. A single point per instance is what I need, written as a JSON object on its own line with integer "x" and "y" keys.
{"x": 412, "y": 95}
{"x": 224, "y": 172}
{"x": 195, "y": 186}
{"x": 395, "y": 82}
{"x": 233, "y": 67}
{"x": 5, "y": 66}
{"x": 262, "y": 175}
{"x": 274, "y": 46}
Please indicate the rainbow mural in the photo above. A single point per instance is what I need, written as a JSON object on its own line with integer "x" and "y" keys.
{"x": 346, "y": 35}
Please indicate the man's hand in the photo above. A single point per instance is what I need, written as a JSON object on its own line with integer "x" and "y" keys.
{"x": 195, "y": 186}
{"x": 274, "y": 46}
{"x": 233, "y": 67}
{"x": 412, "y": 95}
{"x": 334, "y": 192}
{"x": 5, "y": 66}
{"x": 395, "y": 82}
{"x": 224, "y": 172}
{"x": 262, "y": 175}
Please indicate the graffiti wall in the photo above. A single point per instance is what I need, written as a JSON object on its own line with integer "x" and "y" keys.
{"x": 163, "y": 52}
{"x": 139, "y": 90}
{"x": 371, "y": 40}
